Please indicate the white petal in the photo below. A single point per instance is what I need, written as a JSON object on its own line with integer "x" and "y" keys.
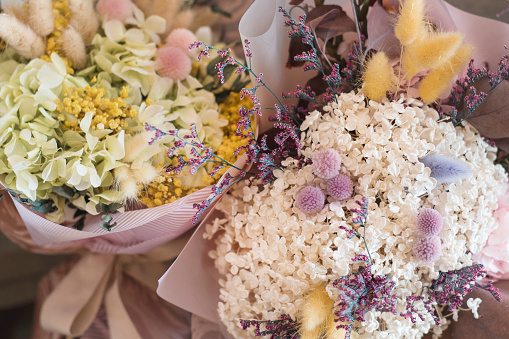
{"x": 114, "y": 30}
{"x": 86, "y": 121}
{"x": 49, "y": 76}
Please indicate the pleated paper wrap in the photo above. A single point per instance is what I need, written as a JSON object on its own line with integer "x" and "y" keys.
{"x": 263, "y": 26}
{"x": 135, "y": 231}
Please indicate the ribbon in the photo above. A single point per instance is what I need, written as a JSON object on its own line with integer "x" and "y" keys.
{"x": 73, "y": 305}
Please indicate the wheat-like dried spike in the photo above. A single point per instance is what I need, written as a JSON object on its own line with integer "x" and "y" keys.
{"x": 41, "y": 16}
{"x": 74, "y": 48}
{"x": 410, "y": 21}
{"x": 84, "y": 19}
{"x": 21, "y": 37}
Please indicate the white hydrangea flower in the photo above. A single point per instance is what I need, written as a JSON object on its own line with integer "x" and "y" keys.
{"x": 271, "y": 254}
{"x": 474, "y": 304}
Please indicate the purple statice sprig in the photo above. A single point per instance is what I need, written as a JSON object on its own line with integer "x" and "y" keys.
{"x": 230, "y": 60}
{"x": 451, "y": 287}
{"x": 306, "y": 94}
{"x": 360, "y": 219}
{"x": 287, "y": 139}
{"x": 361, "y": 292}
{"x": 217, "y": 189}
{"x": 200, "y": 155}
{"x": 283, "y": 328}
{"x": 464, "y": 94}
{"x": 412, "y": 313}
{"x": 311, "y": 58}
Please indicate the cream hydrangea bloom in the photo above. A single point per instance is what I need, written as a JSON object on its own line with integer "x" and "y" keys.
{"x": 271, "y": 254}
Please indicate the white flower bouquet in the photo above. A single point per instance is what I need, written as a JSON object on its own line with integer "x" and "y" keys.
{"x": 79, "y": 107}
{"x": 380, "y": 191}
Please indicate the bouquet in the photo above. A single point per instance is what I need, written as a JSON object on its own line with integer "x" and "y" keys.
{"x": 102, "y": 107}
{"x": 81, "y": 99}
{"x": 364, "y": 222}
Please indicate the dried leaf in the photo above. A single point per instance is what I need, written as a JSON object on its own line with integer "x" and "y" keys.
{"x": 491, "y": 118}
{"x": 328, "y": 21}
{"x": 391, "y": 6}
{"x": 296, "y": 2}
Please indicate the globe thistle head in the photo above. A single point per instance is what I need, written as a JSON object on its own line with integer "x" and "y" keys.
{"x": 428, "y": 249}
{"x": 326, "y": 163}
{"x": 340, "y": 187}
{"x": 429, "y": 222}
{"x": 310, "y": 200}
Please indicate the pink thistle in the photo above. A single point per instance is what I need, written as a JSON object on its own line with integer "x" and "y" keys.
{"x": 428, "y": 249}
{"x": 181, "y": 38}
{"x": 340, "y": 187}
{"x": 310, "y": 200}
{"x": 172, "y": 62}
{"x": 114, "y": 9}
{"x": 326, "y": 163}
{"x": 429, "y": 222}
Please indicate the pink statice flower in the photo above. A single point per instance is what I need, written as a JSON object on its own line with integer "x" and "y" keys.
{"x": 495, "y": 254}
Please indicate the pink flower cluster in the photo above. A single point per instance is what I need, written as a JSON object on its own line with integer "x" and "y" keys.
{"x": 326, "y": 165}
{"x": 495, "y": 254}
{"x": 428, "y": 247}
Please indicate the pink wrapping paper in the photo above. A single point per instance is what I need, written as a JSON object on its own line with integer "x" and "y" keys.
{"x": 192, "y": 281}
{"x": 136, "y": 231}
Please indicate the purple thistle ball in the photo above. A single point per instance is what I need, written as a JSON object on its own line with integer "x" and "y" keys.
{"x": 428, "y": 249}
{"x": 326, "y": 163}
{"x": 310, "y": 200}
{"x": 340, "y": 187}
{"x": 429, "y": 222}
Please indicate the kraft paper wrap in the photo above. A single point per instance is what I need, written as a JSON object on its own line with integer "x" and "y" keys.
{"x": 110, "y": 296}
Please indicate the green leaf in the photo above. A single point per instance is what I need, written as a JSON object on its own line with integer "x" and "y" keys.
{"x": 211, "y": 67}
{"x": 64, "y": 191}
{"x": 79, "y": 224}
{"x": 106, "y": 218}
{"x": 216, "y": 9}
